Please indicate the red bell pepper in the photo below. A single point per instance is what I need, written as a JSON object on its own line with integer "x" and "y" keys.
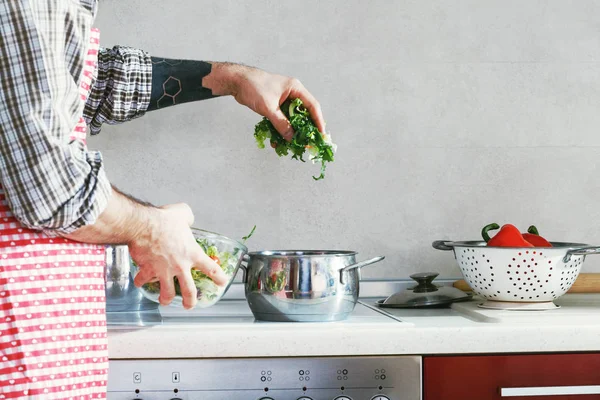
{"x": 533, "y": 237}
{"x": 509, "y": 236}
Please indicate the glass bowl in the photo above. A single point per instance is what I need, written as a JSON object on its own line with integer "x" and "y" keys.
{"x": 228, "y": 253}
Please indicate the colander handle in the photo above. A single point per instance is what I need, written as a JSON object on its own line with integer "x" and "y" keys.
{"x": 584, "y": 251}
{"x": 443, "y": 245}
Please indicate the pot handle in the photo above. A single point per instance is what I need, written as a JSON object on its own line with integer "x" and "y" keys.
{"x": 583, "y": 251}
{"x": 359, "y": 265}
{"x": 443, "y": 245}
{"x": 244, "y": 267}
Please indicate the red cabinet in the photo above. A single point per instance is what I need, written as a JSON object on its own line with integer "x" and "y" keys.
{"x": 516, "y": 377}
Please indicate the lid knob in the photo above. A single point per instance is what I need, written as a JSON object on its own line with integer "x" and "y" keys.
{"x": 424, "y": 280}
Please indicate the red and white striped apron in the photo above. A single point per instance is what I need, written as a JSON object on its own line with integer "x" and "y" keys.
{"x": 53, "y": 340}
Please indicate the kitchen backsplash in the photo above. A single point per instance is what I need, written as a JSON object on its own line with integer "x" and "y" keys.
{"x": 448, "y": 115}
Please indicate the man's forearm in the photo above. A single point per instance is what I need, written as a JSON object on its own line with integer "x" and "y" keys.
{"x": 123, "y": 221}
{"x": 182, "y": 81}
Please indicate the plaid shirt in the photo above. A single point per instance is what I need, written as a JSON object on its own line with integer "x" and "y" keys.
{"x": 51, "y": 182}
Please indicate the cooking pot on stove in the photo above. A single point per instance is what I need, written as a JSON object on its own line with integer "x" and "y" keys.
{"x": 302, "y": 285}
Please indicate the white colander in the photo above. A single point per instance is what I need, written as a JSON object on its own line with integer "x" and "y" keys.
{"x": 519, "y": 274}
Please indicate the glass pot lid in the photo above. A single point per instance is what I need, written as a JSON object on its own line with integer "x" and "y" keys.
{"x": 425, "y": 294}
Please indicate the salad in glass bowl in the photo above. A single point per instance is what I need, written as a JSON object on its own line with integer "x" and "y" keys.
{"x": 228, "y": 253}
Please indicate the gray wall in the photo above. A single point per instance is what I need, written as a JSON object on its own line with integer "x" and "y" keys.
{"x": 448, "y": 115}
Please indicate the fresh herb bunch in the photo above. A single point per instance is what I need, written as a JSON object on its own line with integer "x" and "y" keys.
{"x": 306, "y": 136}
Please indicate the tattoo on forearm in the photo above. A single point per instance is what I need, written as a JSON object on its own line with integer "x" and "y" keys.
{"x": 178, "y": 81}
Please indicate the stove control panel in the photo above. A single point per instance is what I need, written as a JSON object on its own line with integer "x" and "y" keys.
{"x": 313, "y": 378}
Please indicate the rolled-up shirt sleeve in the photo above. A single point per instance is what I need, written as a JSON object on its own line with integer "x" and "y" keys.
{"x": 121, "y": 87}
{"x": 51, "y": 183}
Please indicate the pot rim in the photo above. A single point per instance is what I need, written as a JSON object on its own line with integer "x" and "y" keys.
{"x": 302, "y": 253}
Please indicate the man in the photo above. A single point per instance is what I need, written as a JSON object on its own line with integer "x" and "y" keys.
{"x": 57, "y": 207}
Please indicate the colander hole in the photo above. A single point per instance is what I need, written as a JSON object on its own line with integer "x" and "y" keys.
{"x": 510, "y": 278}
{"x": 519, "y": 266}
{"x": 492, "y": 274}
{"x": 491, "y": 267}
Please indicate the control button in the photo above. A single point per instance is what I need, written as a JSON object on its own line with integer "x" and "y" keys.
{"x": 305, "y": 398}
{"x": 175, "y": 377}
{"x": 380, "y": 397}
{"x": 382, "y": 377}
{"x": 265, "y": 398}
{"x": 342, "y": 398}
{"x": 137, "y": 377}
{"x": 263, "y": 378}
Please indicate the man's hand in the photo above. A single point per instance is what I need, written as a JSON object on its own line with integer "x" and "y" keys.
{"x": 170, "y": 250}
{"x": 160, "y": 242}
{"x": 263, "y": 93}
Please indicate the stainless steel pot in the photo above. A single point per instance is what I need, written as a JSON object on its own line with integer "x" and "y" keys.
{"x": 302, "y": 285}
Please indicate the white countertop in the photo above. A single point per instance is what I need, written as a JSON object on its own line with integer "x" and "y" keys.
{"x": 462, "y": 330}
